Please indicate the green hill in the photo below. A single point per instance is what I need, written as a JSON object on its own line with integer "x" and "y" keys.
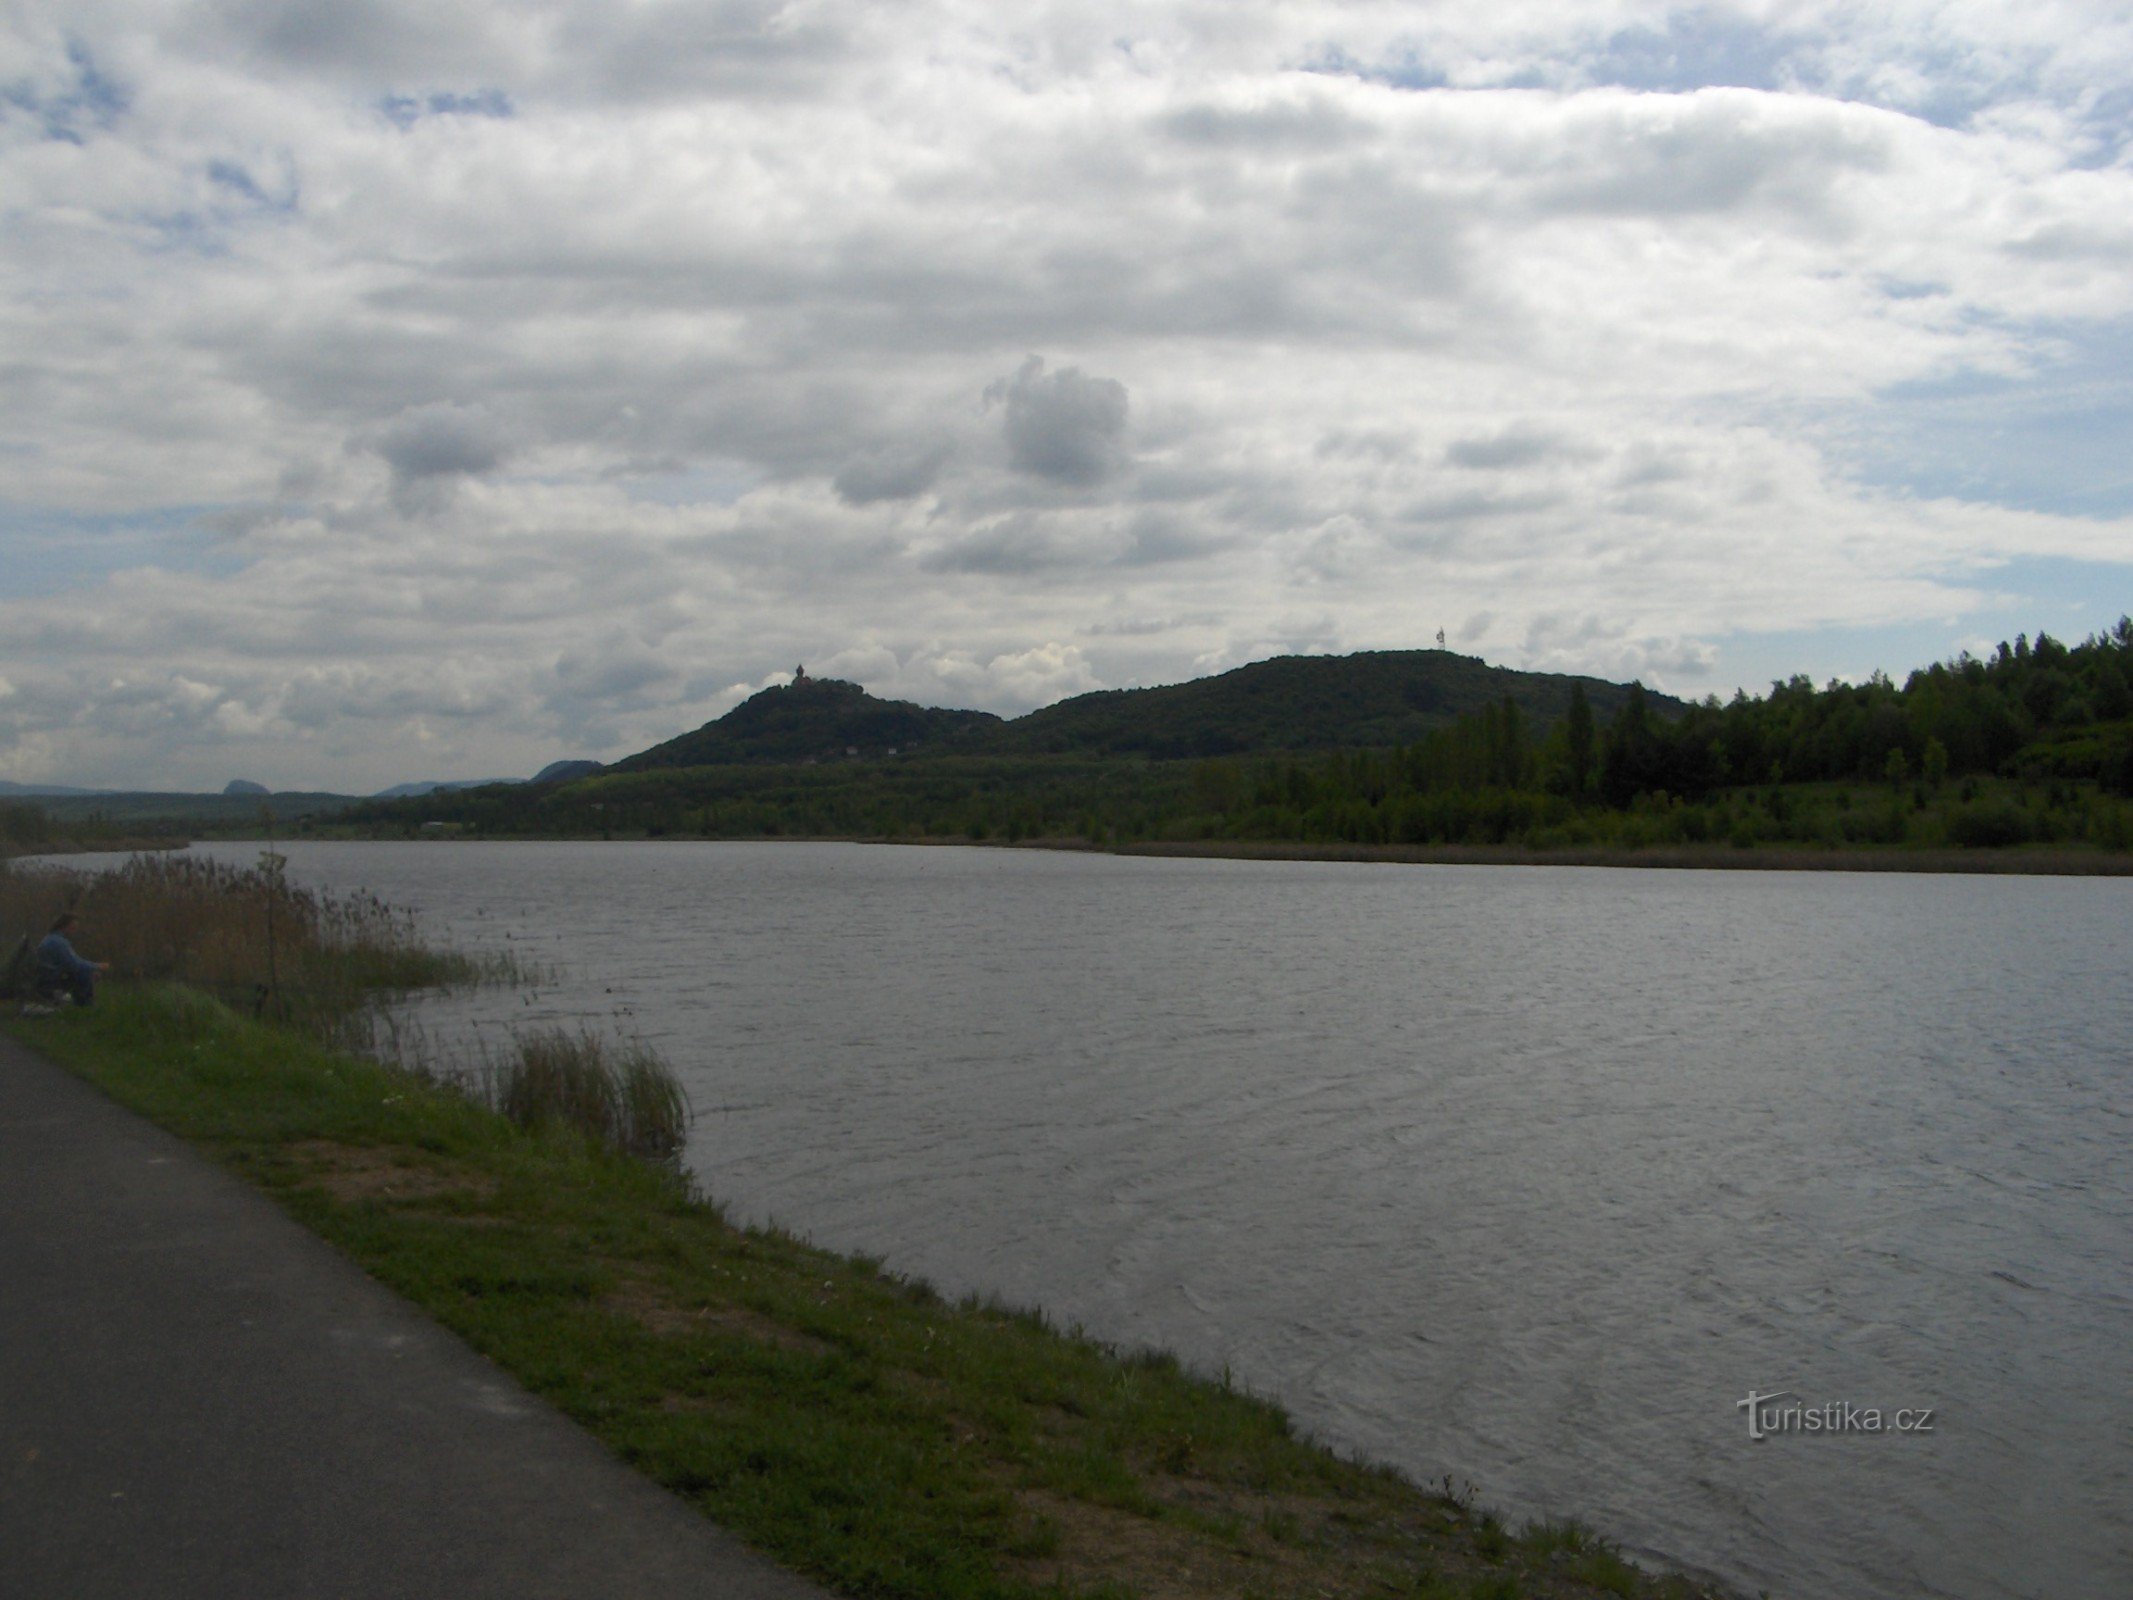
{"x": 812, "y": 719}
{"x": 1375, "y": 699}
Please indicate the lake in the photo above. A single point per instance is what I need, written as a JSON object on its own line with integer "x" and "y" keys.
{"x": 1523, "y": 1175}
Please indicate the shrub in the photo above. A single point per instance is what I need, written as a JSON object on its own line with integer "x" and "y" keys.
{"x": 1989, "y": 825}
{"x": 623, "y": 1095}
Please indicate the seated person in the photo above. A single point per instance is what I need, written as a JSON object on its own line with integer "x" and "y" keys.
{"x": 61, "y": 971}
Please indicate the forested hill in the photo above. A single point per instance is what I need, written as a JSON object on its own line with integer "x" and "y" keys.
{"x": 2031, "y": 746}
{"x": 813, "y": 719}
{"x": 1376, "y": 699}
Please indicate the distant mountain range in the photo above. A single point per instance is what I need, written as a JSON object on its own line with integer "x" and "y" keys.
{"x": 1290, "y": 703}
{"x": 43, "y": 790}
{"x": 554, "y": 772}
{"x": 242, "y": 789}
{"x": 411, "y": 791}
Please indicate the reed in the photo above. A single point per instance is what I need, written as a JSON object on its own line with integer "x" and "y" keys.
{"x": 245, "y": 934}
{"x": 624, "y": 1094}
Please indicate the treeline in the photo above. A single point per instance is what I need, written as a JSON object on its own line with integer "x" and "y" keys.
{"x": 939, "y": 797}
{"x": 2042, "y": 710}
{"x": 26, "y": 827}
{"x": 2032, "y": 744}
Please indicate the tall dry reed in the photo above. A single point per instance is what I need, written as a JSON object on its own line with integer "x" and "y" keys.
{"x": 245, "y": 934}
{"x": 623, "y": 1094}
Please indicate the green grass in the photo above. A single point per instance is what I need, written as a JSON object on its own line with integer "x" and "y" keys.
{"x": 623, "y": 1094}
{"x": 848, "y": 1422}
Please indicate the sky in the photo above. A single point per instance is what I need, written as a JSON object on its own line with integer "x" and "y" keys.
{"x": 414, "y": 389}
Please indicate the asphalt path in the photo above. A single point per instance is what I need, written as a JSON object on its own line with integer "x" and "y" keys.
{"x": 200, "y": 1398}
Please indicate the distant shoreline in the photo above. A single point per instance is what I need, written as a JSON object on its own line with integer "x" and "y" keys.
{"x": 77, "y": 847}
{"x": 2019, "y": 861}
{"x": 2058, "y": 863}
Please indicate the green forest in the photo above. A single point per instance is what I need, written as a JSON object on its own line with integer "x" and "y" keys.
{"x": 2032, "y": 745}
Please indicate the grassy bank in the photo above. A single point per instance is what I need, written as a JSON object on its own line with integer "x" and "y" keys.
{"x": 848, "y": 1422}
{"x": 2064, "y": 861}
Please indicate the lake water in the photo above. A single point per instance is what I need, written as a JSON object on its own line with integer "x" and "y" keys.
{"x": 1523, "y": 1175}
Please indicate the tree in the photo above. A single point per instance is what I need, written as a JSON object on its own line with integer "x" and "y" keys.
{"x": 1508, "y": 769}
{"x": 2108, "y": 693}
{"x": 1578, "y": 728}
{"x": 1630, "y": 761}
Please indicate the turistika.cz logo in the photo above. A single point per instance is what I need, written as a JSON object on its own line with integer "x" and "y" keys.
{"x": 1768, "y": 1415}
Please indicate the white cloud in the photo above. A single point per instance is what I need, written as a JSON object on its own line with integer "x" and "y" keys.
{"x": 1037, "y": 676}
{"x": 526, "y": 381}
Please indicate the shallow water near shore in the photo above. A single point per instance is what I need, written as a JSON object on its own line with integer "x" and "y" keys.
{"x": 1526, "y": 1175}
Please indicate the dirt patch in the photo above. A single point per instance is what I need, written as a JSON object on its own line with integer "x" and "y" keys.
{"x": 652, "y": 1307}
{"x": 386, "y": 1172}
{"x": 1225, "y": 1540}
{"x": 1158, "y": 1560}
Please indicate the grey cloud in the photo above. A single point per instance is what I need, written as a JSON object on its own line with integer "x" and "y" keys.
{"x": 569, "y": 50}
{"x": 320, "y": 698}
{"x": 365, "y": 37}
{"x": 1010, "y": 546}
{"x": 893, "y": 472}
{"x": 1518, "y": 446}
{"x": 1160, "y": 536}
{"x": 1473, "y": 504}
{"x": 1380, "y": 227}
{"x": 1644, "y": 466}
{"x": 427, "y": 446}
{"x": 1715, "y": 152}
{"x": 440, "y": 438}
{"x": 613, "y": 670}
{"x": 675, "y": 47}
{"x": 1312, "y": 125}
{"x": 1378, "y": 444}
{"x": 2086, "y": 239}
{"x": 1146, "y": 627}
{"x": 1065, "y": 426}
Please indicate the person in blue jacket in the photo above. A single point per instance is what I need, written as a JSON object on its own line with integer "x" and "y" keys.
{"x": 60, "y": 970}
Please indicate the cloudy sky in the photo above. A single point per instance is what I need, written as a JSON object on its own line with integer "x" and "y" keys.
{"x": 400, "y": 389}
